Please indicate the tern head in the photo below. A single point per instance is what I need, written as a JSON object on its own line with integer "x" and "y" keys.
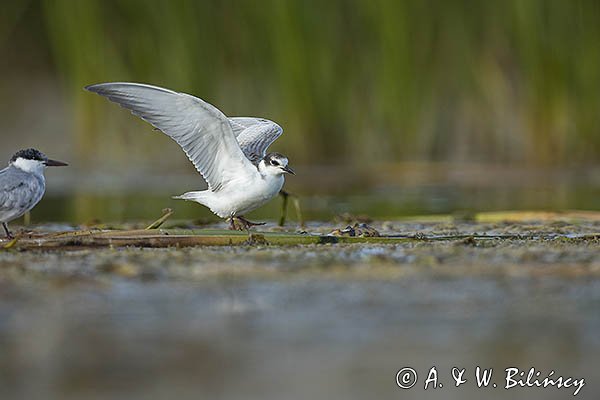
{"x": 275, "y": 164}
{"x": 32, "y": 160}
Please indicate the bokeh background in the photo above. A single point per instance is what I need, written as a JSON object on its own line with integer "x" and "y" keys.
{"x": 389, "y": 107}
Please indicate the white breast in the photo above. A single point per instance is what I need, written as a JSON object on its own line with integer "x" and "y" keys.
{"x": 243, "y": 197}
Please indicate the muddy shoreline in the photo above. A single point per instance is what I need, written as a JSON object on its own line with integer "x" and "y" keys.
{"x": 290, "y": 321}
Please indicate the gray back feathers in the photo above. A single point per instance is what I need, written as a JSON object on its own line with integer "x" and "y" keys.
{"x": 19, "y": 192}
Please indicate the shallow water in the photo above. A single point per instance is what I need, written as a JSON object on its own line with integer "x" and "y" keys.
{"x": 318, "y": 321}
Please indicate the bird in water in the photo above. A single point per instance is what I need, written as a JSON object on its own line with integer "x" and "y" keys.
{"x": 229, "y": 153}
{"x": 22, "y": 184}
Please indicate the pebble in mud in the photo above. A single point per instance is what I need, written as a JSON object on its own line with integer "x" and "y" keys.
{"x": 359, "y": 230}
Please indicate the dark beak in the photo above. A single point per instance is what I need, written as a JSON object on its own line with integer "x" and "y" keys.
{"x": 54, "y": 163}
{"x": 288, "y": 170}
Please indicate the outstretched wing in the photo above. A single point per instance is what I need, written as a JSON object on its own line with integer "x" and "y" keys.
{"x": 203, "y": 132}
{"x": 255, "y": 135}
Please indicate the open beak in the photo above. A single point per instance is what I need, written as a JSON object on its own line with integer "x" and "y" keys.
{"x": 288, "y": 170}
{"x": 54, "y": 163}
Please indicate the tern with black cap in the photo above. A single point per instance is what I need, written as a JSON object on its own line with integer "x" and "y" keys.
{"x": 22, "y": 184}
{"x": 229, "y": 153}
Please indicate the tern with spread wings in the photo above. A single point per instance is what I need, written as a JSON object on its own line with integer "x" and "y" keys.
{"x": 229, "y": 153}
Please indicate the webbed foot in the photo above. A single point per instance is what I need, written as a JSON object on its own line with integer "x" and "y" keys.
{"x": 242, "y": 224}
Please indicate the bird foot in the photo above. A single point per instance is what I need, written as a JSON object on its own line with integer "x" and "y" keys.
{"x": 242, "y": 224}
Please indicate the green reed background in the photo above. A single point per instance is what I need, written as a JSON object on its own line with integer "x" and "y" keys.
{"x": 511, "y": 81}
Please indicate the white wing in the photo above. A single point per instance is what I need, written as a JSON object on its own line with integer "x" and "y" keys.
{"x": 255, "y": 135}
{"x": 203, "y": 132}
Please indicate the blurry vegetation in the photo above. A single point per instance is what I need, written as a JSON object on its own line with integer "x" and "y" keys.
{"x": 374, "y": 81}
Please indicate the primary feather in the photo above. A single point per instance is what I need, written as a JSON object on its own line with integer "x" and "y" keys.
{"x": 204, "y": 133}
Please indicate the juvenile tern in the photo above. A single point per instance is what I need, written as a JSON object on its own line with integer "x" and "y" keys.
{"x": 22, "y": 184}
{"x": 229, "y": 153}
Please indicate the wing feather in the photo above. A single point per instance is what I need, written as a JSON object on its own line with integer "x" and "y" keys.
{"x": 203, "y": 131}
{"x": 255, "y": 135}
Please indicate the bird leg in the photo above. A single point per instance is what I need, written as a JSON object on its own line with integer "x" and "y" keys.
{"x": 284, "y": 204}
{"x": 242, "y": 224}
{"x": 8, "y": 234}
{"x": 236, "y": 225}
{"x": 249, "y": 224}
